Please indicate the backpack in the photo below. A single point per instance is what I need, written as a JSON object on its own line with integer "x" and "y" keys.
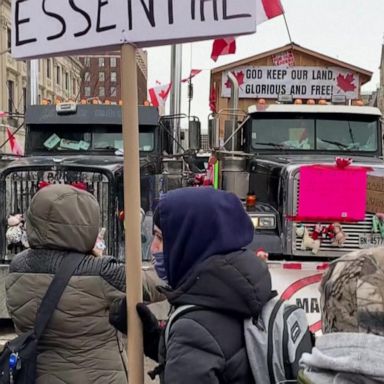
{"x": 19, "y": 356}
{"x": 274, "y": 341}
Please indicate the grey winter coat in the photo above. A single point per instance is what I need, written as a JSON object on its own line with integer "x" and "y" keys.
{"x": 79, "y": 345}
{"x": 344, "y": 358}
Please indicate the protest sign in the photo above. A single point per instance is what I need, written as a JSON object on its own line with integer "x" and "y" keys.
{"x": 51, "y": 27}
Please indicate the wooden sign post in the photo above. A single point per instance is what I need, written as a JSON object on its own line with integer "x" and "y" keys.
{"x": 98, "y": 26}
{"x": 132, "y": 211}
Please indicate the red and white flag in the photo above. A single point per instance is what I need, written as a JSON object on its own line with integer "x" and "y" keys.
{"x": 222, "y": 47}
{"x": 193, "y": 73}
{"x": 16, "y": 148}
{"x": 265, "y": 10}
{"x": 159, "y": 95}
{"x": 212, "y": 99}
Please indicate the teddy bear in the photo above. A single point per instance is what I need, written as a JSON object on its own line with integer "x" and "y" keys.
{"x": 340, "y": 236}
{"x": 308, "y": 241}
{"x": 16, "y": 234}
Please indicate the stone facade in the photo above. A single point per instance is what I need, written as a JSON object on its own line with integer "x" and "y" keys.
{"x": 59, "y": 77}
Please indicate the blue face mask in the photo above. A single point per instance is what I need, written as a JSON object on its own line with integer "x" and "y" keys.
{"x": 159, "y": 265}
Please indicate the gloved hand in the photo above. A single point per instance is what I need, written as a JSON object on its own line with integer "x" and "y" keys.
{"x": 151, "y": 331}
{"x": 151, "y": 328}
{"x": 118, "y": 314}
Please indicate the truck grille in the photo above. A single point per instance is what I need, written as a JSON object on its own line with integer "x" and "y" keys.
{"x": 353, "y": 231}
{"x": 19, "y": 186}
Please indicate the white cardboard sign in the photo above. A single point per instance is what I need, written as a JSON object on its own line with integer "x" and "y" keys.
{"x": 54, "y": 27}
{"x": 300, "y": 82}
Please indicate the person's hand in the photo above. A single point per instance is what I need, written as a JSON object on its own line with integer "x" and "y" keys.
{"x": 262, "y": 254}
{"x": 118, "y": 314}
{"x": 151, "y": 331}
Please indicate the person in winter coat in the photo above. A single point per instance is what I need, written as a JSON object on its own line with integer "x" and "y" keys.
{"x": 352, "y": 305}
{"x": 79, "y": 345}
{"x": 200, "y": 235}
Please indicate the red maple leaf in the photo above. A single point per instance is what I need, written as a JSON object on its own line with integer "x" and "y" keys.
{"x": 239, "y": 77}
{"x": 345, "y": 83}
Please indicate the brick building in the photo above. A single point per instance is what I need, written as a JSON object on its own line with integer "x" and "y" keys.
{"x": 101, "y": 77}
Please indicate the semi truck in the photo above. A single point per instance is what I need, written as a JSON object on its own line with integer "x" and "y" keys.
{"x": 82, "y": 145}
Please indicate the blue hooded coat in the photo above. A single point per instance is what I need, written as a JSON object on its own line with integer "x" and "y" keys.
{"x": 205, "y": 233}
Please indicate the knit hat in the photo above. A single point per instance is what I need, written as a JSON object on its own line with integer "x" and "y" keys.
{"x": 352, "y": 293}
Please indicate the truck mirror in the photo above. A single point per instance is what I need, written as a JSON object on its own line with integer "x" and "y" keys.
{"x": 194, "y": 133}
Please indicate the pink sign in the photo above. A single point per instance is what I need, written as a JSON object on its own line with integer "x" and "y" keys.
{"x": 328, "y": 193}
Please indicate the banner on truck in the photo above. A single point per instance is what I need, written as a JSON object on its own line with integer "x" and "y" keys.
{"x": 299, "y": 283}
{"x": 300, "y": 82}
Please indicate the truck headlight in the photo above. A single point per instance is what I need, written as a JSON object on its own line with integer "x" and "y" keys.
{"x": 264, "y": 221}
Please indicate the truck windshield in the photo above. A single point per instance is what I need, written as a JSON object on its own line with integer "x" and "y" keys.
{"x": 357, "y": 133}
{"x": 61, "y": 138}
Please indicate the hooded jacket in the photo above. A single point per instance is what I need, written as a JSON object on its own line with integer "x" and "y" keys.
{"x": 344, "y": 358}
{"x": 204, "y": 235}
{"x": 79, "y": 345}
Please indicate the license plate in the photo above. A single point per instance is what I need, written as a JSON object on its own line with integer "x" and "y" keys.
{"x": 369, "y": 241}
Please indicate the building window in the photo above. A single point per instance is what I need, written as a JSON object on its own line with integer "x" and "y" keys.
{"x": 87, "y": 61}
{"x": 48, "y": 68}
{"x": 74, "y": 86}
{"x": 113, "y": 77}
{"x": 11, "y": 95}
{"x": 113, "y": 61}
{"x": 66, "y": 80}
{"x": 9, "y": 38}
{"x": 87, "y": 91}
{"x": 24, "y": 98}
{"x": 101, "y": 91}
{"x": 87, "y": 76}
{"x": 101, "y": 76}
{"x": 113, "y": 92}
{"x": 58, "y": 74}
{"x": 101, "y": 61}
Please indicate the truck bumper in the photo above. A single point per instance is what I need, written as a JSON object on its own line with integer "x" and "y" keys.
{"x": 271, "y": 243}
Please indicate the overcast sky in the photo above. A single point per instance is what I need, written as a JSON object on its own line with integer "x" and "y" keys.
{"x": 349, "y": 30}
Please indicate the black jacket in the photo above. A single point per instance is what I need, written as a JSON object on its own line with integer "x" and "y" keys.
{"x": 207, "y": 345}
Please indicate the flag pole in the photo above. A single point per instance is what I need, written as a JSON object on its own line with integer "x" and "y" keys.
{"x": 132, "y": 212}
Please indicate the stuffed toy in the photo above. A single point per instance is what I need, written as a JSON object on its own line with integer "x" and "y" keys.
{"x": 16, "y": 234}
{"x": 308, "y": 242}
{"x": 328, "y": 232}
{"x": 340, "y": 236}
{"x": 378, "y": 224}
{"x": 317, "y": 233}
{"x": 100, "y": 246}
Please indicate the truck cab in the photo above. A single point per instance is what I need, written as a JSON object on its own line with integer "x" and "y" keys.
{"x": 274, "y": 143}
{"x": 82, "y": 145}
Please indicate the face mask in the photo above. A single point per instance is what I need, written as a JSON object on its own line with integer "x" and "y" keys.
{"x": 159, "y": 265}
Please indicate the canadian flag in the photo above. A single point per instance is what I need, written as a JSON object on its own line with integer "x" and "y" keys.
{"x": 193, "y": 73}
{"x": 16, "y": 148}
{"x": 159, "y": 95}
{"x": 265, "y": 10}
{"x": 222, "y": 47}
